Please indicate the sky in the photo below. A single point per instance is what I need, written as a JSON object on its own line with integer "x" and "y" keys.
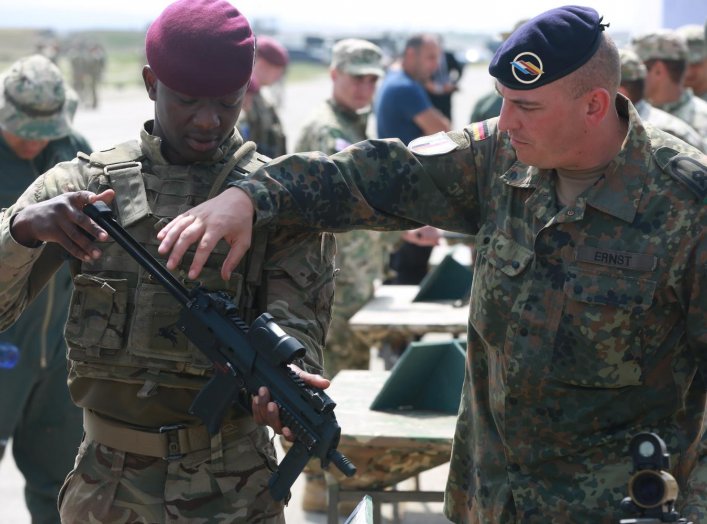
{"x": 485, "y": 16}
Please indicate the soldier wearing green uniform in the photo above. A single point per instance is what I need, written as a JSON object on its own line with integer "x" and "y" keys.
{"x": 665, "y": 54}
{"x": 633, "y": 76}
{"x": 144, "y": 457}
{"x": 696, "y": 74}
{"x": 36, "y": 108}
{"x": 588, "y": 311}
{"x": 339, "y": 122}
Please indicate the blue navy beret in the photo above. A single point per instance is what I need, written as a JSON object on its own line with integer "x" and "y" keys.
{"x": 547, "y": 47}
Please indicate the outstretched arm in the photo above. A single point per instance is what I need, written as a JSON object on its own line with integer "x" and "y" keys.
{"x": 376, "y": 184}
{"x": 227, "y": 216}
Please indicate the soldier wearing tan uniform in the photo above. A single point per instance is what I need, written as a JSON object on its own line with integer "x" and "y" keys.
{"x": 144, "y": 457}
{"x": 339, "y": 122}
{"x": 665, "y": 55}
{"x": 696, "y": 74}
{"x": 633, "y": 75}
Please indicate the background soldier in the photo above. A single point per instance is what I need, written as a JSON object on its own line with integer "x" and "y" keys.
{"x": 88, "y": 62}
{"x": 340, "y": 121}
{"x": 144, "y": 458}
{"x": 260, "y": 122}
{"x": 633, "y": 74}
{"x": 36, "y": 108}
{"x": 696, "y": 74}
{"x": 665, "y": 55}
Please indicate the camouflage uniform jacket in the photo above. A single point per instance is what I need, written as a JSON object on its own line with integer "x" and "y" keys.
{"x": 587, "y": 324}
{"x": 262, "y": 125}
{"x": 691, "y": 109}
{"x": 361, "y": 254}
{"x": 128, "y": 361}
{"x": 671, "y": 124}
{"x": 332, "y": 128}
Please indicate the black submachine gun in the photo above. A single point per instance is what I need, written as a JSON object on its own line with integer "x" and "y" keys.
{"x": 244, "y": 359}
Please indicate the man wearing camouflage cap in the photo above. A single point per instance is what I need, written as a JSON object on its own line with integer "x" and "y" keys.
{"x": 36, "y": 109}
{"x": 665, "y": 55}
{"x": 144, "y": 456}
{"x": 356, "y": 66}
{"x": 588, "y": 313}
{"x": 696, "y": 74}
{"x": 633, "y": 74}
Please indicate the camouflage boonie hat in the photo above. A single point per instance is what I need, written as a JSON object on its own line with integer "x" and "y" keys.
{"x": 661, "y": 45}
{"x": 632, "y": 67}
{"x": 694, "y": 35}
{"x": 34, "y": 104}
{"x": 357, "y": 57}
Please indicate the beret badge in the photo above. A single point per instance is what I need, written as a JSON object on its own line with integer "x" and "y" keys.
{"x": 527, "y": 67}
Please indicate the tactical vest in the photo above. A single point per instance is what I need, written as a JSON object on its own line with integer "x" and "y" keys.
{"x": 122, "y": 323}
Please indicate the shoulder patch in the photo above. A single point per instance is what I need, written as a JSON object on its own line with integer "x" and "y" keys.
{"x": 690, "y": 172}
{"x": 687, "y": 170}
{"x": 432, "y": 145}
{"x": 125, "y": 152}
{"x": 480, "y": 131}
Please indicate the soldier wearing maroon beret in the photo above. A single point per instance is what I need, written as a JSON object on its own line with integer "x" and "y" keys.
{"x": 144, "y": 456}
{"x": 260, "y": 120}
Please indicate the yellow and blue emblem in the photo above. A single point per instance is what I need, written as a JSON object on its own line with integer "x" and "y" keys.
{"x": 527, "y": 67}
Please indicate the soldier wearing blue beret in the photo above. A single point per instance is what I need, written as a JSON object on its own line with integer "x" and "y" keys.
{"x": 588, "y": 314}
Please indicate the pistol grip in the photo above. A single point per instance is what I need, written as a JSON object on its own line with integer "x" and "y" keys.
{"x": 212, "y": 402}
{"x": 289, "y": 469}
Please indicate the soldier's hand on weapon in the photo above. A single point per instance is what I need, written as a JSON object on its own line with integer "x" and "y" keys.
{"x": 266, "y": 413}
{"x": 227, "y": 216}
{"x": 61, "y": 220}
{"x": 423, "y": 236}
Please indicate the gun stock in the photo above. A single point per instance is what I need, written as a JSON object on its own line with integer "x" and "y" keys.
{"x": 244, "y": 359}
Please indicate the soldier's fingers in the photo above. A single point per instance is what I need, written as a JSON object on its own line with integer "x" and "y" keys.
{"x": 235, "y": 254}
{"x": 90, "y": 231}
{"x": 206, "y": 246}
{"x": 287, "y": 433}
{"x": 274, "y": 417}
{"x": 77, "y": 243}
{"x": 258, "y": 416}
{"x": 260, "y": 406}
{"x": 106, "y": 196}
{"x": 311, "y": 379}
{"x": 189, "y": 234}
{"x": 169, "y": 234}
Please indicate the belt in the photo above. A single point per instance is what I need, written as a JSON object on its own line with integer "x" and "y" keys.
{"x": 169, "y": 442}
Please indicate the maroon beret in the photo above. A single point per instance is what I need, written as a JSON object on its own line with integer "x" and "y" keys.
{"x": 272, "y": 51}
{"x": 201, "y": 48}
